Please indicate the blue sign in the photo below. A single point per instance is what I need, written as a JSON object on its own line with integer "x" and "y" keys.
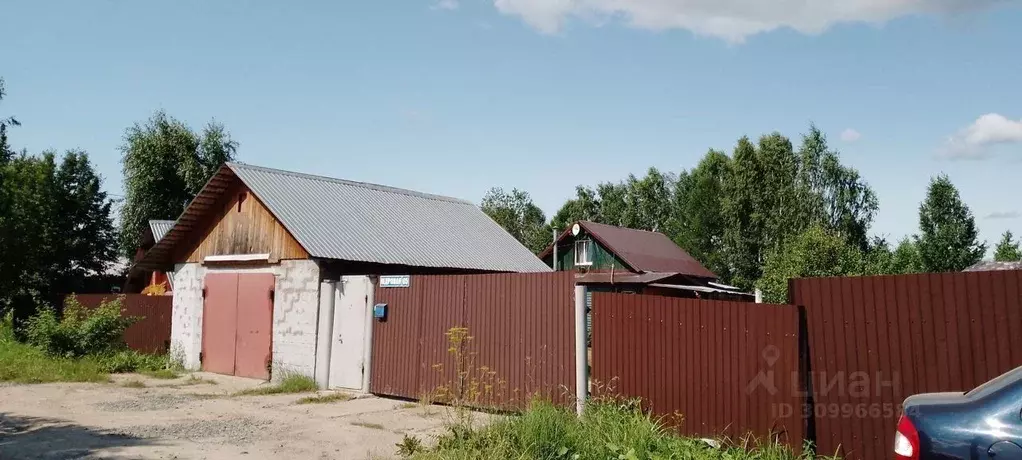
{"x": 399, "y": 281}
{"x": 380, "y": 311}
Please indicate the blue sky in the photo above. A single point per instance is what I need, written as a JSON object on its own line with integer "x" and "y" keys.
{"x": 453, "y": 97}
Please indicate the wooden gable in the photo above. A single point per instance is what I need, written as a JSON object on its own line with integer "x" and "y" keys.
{"x": 243, "y": 225}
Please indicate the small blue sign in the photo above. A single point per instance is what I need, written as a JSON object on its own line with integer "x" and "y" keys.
{"x": 380, "y": 311}
{"x": 398, "y": 281}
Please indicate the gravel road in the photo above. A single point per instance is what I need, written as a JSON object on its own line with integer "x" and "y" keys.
{"x": 182, "y": 419}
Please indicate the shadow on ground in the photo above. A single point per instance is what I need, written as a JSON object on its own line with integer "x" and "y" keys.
{"x": 50, "y": 438}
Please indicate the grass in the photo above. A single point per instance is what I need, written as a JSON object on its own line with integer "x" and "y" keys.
{"x": 24, "y": 363}
{"x": 133, "y": 383}
{"x": 607, "y": 429}
{"x": 323, "y": 399}
{"x": 408, "y": 405}
{"x": 372, "y": 426}
{"x": 21, "y": 363}
{"x": 294, "y": 383}
{"x": 162, "y": 374}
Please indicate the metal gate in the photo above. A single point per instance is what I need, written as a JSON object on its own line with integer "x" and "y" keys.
{"x": 237, "y": 322}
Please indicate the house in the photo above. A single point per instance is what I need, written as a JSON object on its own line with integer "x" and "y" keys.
{"x": 274, "y": 271}
{"x": 617, "y": 259}
{"x": 140, "y": 280}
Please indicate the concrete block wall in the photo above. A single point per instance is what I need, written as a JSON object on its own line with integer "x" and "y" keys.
{"x": 295, "y": 316}
{"x": 295, "y": 313}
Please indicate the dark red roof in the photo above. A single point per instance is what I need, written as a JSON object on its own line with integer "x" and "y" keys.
{"x": 643, "y": 251}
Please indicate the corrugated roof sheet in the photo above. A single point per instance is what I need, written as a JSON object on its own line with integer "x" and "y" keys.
{"x": 160, "y": 228}
{"x": 987, "y": 266}
{"x": 355, "y": 221}
{"x": 643, "y": 251}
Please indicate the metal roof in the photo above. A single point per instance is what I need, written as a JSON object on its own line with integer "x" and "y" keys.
{"x": 160, "y": 228}
{"x": 355, "y": 221}
{"x": 986, "y": 266}
{"x": 642, "y": 250}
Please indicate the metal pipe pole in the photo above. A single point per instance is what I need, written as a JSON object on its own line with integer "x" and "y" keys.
{"x": 581, "y": 350}
{"x": 324, "y": 332}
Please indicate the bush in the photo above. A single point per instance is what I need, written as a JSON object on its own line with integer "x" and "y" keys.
{"x": 22, "y": 363}
{"x": 80, "y": 331}
{"x": 132, "y": 361}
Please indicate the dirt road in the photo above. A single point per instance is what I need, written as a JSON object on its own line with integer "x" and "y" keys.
{"x": 182, "y": 419}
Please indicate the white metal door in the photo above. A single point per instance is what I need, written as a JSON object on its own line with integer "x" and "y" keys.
{"x": 348, "y": 346}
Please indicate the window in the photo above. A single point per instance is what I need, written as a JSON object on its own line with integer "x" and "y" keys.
{"x": 583, "y": 252}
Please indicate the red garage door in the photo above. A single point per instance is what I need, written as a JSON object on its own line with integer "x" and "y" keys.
{"x": 236, "y": 324}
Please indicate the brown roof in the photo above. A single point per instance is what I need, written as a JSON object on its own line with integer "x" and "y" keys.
{"x": 643, "y": 251}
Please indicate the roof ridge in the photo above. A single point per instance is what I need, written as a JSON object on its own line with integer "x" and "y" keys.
{"x": 368, "y": 185}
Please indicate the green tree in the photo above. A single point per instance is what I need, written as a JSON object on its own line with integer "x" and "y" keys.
{"x": 85, "y": 240}
{"x": 699, "y": 223}
{"x": 906, "y": 258}
{"x": 815, "y": 252}
{"x": 165, "y": 164}
{"x": 1007, "y": 250}
{"x": 518, "y": 215}
{"x": 948, "y": 240}
{"x": 743, "y": 219}
{"x": 585, "y": 206}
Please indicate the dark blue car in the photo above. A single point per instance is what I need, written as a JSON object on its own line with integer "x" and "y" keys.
{"x": 985, "y": 423}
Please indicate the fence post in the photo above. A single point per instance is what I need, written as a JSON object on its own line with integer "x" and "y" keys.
{"x": 581, "y": 350}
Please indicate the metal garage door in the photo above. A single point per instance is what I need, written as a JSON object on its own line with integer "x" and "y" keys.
{"x": 236, "y": 324}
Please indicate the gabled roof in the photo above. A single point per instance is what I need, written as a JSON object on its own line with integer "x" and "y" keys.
{"x": 360, "y": 222}
{"x": 160, "y": 228}
{"x": 643, "y": 251}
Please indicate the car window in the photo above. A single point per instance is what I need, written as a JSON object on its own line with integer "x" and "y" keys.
{"x": 997, "y": 384}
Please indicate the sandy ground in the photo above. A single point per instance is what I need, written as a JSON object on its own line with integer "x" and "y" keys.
{"x": 172, "y": 419}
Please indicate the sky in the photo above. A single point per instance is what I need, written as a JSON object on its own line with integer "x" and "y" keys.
{"x": 457, "y": 96}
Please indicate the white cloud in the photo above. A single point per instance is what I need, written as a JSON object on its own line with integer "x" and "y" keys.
{"x": 731, "y": 20}
{"x": 446, "y": 5}
{"x": 973, "y": 141}
{"x": 1004, "y": 215}
{"x": 850, "y": 135}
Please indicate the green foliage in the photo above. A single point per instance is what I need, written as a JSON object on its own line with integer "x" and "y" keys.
{"x": 409, "y": 446}
{"x": 816, "y": 252}
{"x": 906, "y": 258}
{"x": 1008, "y": 250}
{"x": 606, "y": 430}
{"x": 122, "y": 361}
{"x": 291, "y": 383}
{"x": 948, "y": 239}
{"x": 56, "y": 227}
{"x": 165, "y": 164}
{"x": 699, "y": 224}
{"x": 80, "y": 331}
{"x": 324, "y": 399}
{"x": 23, "y": 363}
{"x": 518, "y": 215}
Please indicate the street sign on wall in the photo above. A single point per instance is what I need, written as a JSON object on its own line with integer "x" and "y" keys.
{"x": 395, "y": 281}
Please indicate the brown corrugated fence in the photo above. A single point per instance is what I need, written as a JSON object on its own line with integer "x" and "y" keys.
{"x": 151, "y": 334}
{"x": 873, "y": 341}
{"x": 521, "y": 326}
{"x": 726, "y": 368}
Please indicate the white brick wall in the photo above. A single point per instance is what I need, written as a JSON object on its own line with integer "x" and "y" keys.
{"x": 295, "y": 312}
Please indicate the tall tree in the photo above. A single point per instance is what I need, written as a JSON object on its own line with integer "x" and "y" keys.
{"x": 948, "y": 240}
{"x": 699, "y": 223}
{"x": 518, "y": 215}
{"x": 85, "y": 239}
{"x": 165, "y": 164}
{"x": 743, "y": 219}
{"x": 1008, "y": 250}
